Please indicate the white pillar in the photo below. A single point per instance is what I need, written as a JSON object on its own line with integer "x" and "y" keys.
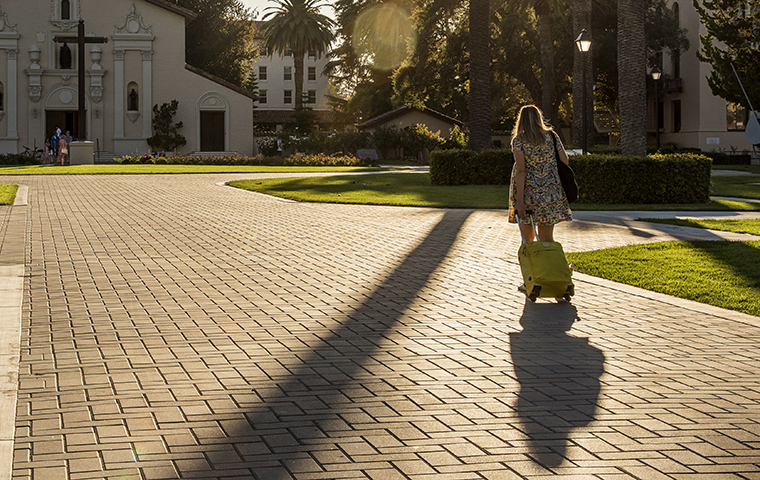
{"x": 118, "y": 94}
{"x": 12, "y": 94}
{"x": 147, "y": 93}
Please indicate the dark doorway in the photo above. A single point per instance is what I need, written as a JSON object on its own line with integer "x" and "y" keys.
{"x": 67, "y": 120}
{"x": 212, "y": 131}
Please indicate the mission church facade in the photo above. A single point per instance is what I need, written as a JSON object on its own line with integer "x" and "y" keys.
{"x": 143, "y": 64}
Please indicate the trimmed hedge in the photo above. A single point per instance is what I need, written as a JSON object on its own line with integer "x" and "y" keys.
{"x": 674, "y": 178}
{"x": 17, "y": 159}
{"x": 467, "y": 167}
{"x": 606, "y": 179}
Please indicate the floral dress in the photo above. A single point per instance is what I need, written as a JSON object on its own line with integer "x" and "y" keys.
{"x": 544, "y": 195}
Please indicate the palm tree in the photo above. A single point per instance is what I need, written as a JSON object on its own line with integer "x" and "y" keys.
{"x": 297, "y": 26}
{"x": 480, "y": 74}
{"x": 632, "y": 64}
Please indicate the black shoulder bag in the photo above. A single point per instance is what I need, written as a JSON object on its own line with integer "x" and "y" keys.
{"x": 566, "y": 175}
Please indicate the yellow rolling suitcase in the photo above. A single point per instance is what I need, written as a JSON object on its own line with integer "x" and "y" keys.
{"x": 544, "y": 269}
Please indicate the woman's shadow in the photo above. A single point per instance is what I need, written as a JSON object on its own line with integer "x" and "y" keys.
{"x": 559, "y": 379}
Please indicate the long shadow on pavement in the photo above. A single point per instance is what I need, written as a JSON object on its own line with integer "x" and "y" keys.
{"x": 559, "y": 379}
{"x": 297, "y": 424}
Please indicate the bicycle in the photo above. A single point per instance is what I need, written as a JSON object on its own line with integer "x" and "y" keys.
{"x": 38, "y": 153}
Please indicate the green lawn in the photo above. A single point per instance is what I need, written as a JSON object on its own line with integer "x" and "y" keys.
{"x": 415, "y": 190}
{"x": 166, "y": 169}
{"x": 409, "y": 189}
{"x": 750, "y": 226}
{"x": 723, "y": 274}
{"x": 7, "y": 194}
{"x": 740, "y": 168}
{"x": 744, "y": 187}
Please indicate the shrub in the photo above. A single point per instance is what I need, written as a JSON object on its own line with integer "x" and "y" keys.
{"x": 674, "y": 178}
{"x": 606, "y": 179}
{"x": 17, "y": 159}
{"x": 268, "y": 146}
{"x": 467, "y": 167}
{"x": 165, "y": 131}
{"x": 722, "y": 158}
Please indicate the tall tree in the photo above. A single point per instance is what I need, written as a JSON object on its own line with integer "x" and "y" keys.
{"x": 220, "y": 40}
{"x": 297, "y": 26}
{"x": 632, "y": 64}
{"x": 480, "y": 74}
{"x": 733, "y": 36}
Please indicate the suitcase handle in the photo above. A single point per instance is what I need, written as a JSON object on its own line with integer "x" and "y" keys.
{"x": 535, "y": 230}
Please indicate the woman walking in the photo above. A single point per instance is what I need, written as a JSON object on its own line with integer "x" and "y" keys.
{"x": 535, "y": 186}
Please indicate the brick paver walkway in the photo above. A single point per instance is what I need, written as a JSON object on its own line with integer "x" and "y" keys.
{"x": 176, "y": 328}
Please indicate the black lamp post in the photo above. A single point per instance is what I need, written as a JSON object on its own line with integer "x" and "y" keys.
{"x": 656, "y": 74}
{"x": 584, "y": 45}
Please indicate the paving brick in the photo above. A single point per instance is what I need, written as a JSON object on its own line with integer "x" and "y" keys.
{"x": 196, "y": 328}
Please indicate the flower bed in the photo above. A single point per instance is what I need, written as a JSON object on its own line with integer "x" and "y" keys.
{"x": 291, "y": 161}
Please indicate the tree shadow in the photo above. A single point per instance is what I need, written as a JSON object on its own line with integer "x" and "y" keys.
{"x": 558, "y": 376}
{"x": 303, "y": 413}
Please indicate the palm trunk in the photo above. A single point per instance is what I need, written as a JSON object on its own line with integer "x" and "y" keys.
{"x": 298, "y": 71}
{"x": 632, "y": 77}
{"x": 480, "y": 75}
{"x": 544, "y": 14}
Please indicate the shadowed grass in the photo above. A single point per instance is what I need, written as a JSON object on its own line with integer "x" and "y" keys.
{"x": 723, "y": 274}
{"x": 743, "y": 187}
{"x": 750, "y": 226}
{"x": 166, "y": 169}
{"x": 415, "y": 190}
{"x": 7, "y": 194}
{"x": 411, "y": 189}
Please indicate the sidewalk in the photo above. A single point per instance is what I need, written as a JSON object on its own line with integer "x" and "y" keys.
{"x": 175, "y": 328}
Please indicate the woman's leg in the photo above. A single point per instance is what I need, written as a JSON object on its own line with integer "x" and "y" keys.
{"x": 546, "y": 233}
{"x": 527, "y": 231}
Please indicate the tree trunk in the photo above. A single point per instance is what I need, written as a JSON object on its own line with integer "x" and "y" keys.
{"x": 298, "y": 80}
{"x": 480, "y": 75}
{"x": 632, "y": 77}
{"x": 544, "y": 14}
{"x": 582, "y": 62}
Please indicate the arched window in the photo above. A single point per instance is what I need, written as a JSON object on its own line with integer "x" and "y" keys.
{"x": 65, "y": 10}
{"x": 133, "y": 98}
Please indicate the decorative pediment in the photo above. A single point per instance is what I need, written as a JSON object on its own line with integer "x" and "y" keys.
{"x": 133, "y": 23}
{"x": 58, "y": 15}
{"x": 5, "y": 24}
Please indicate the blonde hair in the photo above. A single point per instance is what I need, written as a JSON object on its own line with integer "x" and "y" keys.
{"x": 531, "y": 126}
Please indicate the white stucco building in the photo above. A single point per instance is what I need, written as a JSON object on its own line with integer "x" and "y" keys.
{"x": 143, "y": 64}
{"x": 690, "y": 115}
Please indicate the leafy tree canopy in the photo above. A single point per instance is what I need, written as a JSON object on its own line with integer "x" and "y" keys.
{"x": 733, "y": 36}
{"x": 221, "y": 39}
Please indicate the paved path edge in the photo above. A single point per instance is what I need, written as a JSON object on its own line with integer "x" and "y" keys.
{"x": 12, "y": 248}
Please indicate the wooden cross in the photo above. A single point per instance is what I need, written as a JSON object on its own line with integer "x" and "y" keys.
{"x": 81, "y": 40}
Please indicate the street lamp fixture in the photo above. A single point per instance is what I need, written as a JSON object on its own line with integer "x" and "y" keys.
{"x": 656, "y": 73}
{"x": 584, "y": 45}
